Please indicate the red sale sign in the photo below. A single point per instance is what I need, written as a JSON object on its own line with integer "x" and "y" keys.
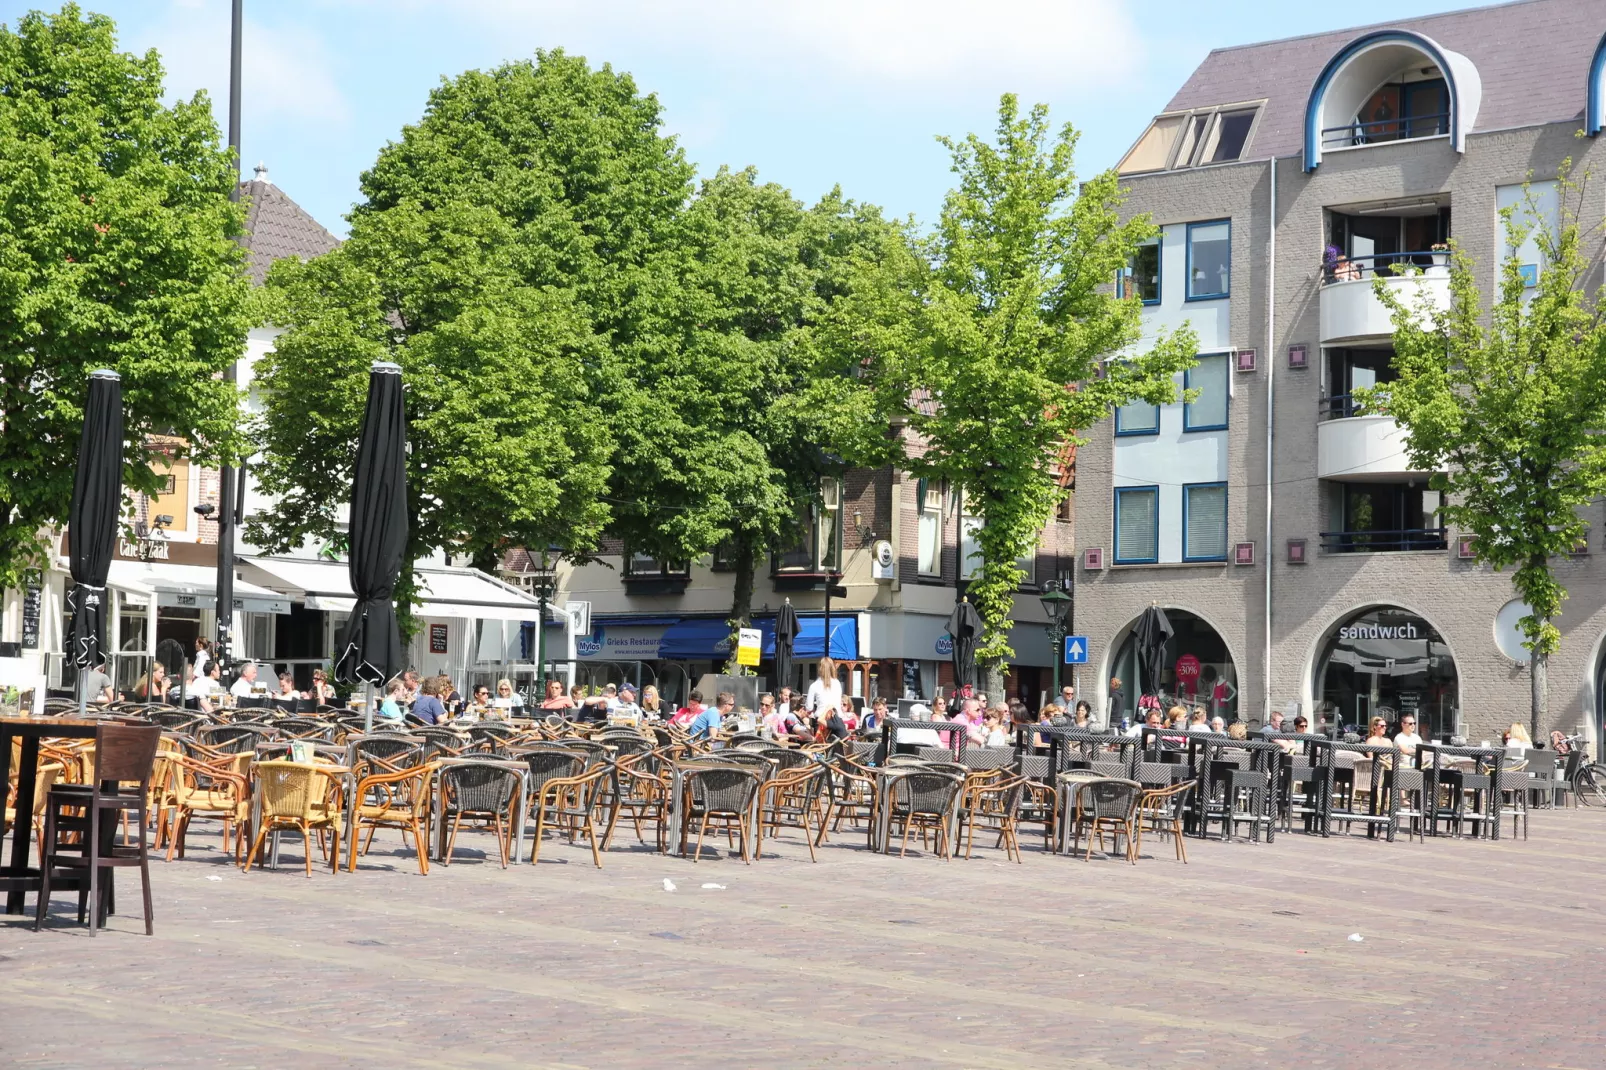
{"x": 1188, "y": 669}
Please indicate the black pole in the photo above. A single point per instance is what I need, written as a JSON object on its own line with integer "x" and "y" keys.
{"x": 228, "y": 508}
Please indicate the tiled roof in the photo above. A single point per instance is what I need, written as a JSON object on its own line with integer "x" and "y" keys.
{"x": 1532, "y": 56}
{"x": 277, "y": 227}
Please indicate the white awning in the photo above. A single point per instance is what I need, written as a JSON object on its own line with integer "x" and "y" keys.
{"x": 459, "y": 593}
{"x": 190, "y": 587}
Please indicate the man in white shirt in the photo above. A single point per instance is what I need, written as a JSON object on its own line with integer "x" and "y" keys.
{"x": 246, "y": 685}
{"x": 1408, "y": 741}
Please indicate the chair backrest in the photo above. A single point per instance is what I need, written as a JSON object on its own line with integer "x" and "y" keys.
{"x": 290, "y": 789}
{"x": 896, "y": 760}
{"x": 1111, "y": 798}
{"x": 381, "y": 747}
{"x": 479, "y": 787}
{"x": 727, "y": 790}
{"x": 926, "y": 792}
{"x": 551, "y": 762}
{"x": 233, "y": 738}
{"x": 125, "y": 752}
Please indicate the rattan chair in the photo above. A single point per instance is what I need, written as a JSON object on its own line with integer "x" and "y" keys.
{"x": 399, "y": 800}
{"x": 300, "y": 797}
{"x": 791, "y": 799}
{"x": 1108, "y": 805}
{"x": 1160, "y": 810}
{"x": 570, "y": 803}
{"x": 925, "y": 800}
{"x": 45, "y": 778}
{"x": 991, "y": 800}
{"x": 483, "y": 792}
{"x": 208, "y": 789}
{"x": 722, "y": 793}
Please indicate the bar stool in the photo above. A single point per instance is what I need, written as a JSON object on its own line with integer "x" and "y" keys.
{"x": 123, "y": 753}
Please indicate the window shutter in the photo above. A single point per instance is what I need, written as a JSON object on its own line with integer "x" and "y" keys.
{"x": 1207, "y": 522}
{"x": 1139, "y": 535}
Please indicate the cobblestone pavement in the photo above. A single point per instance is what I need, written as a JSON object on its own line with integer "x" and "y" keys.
{"x": 1474, "y": 954}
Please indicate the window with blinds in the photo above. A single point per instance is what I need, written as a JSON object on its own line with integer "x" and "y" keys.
{"x": 1208, "y": 411}
{"x": 1137, "y": 525}
{"x": 1204, "y": 525}
{"x": 928, "y": 494}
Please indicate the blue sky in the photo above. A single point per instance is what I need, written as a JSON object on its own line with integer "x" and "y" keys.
{"x": 813, "y": 93}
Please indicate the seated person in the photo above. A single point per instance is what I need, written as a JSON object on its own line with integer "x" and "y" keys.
{"x": 555, "y": 698}
{"x": 830, "y": 727}
{"x": 207, "y": 688}
{"x": 507, "y": 700}
{"x": 1408, "y": 741}
{"x": 287, "y": 695}
{"x": 689, "y": 712}
{"x": 97, "y": 685}
{"x": 712, "y": 718}
{"x": 877, "y": 714}
{"x": 428, "y": 707}
{"x": 395, "y": 698}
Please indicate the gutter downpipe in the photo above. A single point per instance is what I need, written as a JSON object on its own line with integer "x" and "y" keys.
{"x": 1271, "y": 411}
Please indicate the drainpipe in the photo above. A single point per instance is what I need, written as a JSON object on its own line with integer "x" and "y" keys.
{"x": 1271, "y": 411}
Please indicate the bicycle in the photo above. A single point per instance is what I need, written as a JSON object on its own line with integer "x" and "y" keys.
{"x": 1587, "y": 779}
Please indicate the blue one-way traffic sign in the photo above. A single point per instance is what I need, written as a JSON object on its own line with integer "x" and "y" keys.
{"x": 1076, "y": 649}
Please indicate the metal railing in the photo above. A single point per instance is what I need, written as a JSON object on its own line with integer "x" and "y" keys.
{"x": 1343, "y": 406}
{"x": 1378, "y": 131}
{"x": 1355, "y": 268}
{"x": 1371, "y": 542}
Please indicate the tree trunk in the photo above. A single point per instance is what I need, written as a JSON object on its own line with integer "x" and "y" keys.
{"x": 744, "y": 561}
{"x": 1539, "y": 696}
{"x": 991, "y": 673}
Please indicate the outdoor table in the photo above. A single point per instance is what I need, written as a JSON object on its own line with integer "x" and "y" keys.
{"x": 1061, "y": 737}
{"x": 1068, "y": 788}
{"x": 18, "y": 877}
{"x": 957, "y": 734}
{"x": 1204, "y": 753}
{"x": 438, "y": 804}
{"x": 1430, "y": 759}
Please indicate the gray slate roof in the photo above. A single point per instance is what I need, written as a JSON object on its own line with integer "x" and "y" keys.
{"x": 277, "y": 227}
{"x": 1533, "y": 57}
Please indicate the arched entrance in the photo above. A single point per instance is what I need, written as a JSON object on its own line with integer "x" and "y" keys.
{"x": 1196, "y": 667}
{"x": 1390, "y": 660}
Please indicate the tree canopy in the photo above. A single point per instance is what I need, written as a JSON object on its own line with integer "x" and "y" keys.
{"x": 116, "y": 251}
{"x": 1508, "y": 409}
{"x": 493, "y": 257}
{"x": 987, "y": 336}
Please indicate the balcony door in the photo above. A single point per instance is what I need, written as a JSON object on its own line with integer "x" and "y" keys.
{"x": 1379, "y": 517}
{"x": 1349, "y": 370}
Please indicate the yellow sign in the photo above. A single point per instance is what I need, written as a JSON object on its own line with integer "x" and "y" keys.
{"x": 749, "y": 644}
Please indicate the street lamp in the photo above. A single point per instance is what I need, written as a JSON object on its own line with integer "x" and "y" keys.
{"x": 543, "y": 577}
{"x": 1056, "y": 603}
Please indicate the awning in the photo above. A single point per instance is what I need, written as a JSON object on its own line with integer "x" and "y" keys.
{"x": 190, "y": 587}
{"x": 709, "y": 640}
{"x": 461, "y": 593}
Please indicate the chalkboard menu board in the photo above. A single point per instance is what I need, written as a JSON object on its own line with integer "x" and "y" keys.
{"x": 31, "y": 596}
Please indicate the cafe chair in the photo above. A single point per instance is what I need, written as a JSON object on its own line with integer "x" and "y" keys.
{"x": 927, "y": 800}
{"x": 299, "y": 797}
{"x": 123, "y": 754}
{"x": 399, "y": 800}
{"x": 1160, "y": 810}
{"x": 208, "y": 790}
{"x": 46, "y": 778}
{"x": 482, "y": 792}
{"x": 723, "y": 793}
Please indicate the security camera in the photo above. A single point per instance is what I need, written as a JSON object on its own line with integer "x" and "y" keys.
{"x": 205, "y": 509}
{"x": 163, "y": 520}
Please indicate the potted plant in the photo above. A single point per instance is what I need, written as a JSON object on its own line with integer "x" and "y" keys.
{"x": 1441, "y": 254}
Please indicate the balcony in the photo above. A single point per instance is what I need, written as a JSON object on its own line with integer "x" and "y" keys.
{"x": 1376, "y": 542}
{"x": 1361, "y": 448}
{"x": 1351, "y": 311}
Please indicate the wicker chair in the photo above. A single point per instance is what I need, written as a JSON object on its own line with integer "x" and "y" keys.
{"x": 791, "y": 799}
{"x": 643, "y": 793}
{"x": 1108, "y": 805}
{"x": 1160, "y": 810}
{"x": 991, "y": 799}
{"x": 725, "y": 793}
{"x": 398, "y": 800}
{"x": 305, "y": 728}
{"x": 233, "y": 738}
{"x": 570, "y": 803}
{"x": 45, "y": 778}
{"x": 926, "y": 800}
{"x": 209, "y": 789}
{"x": 301, "y": 797}
{"x": 480, "y": 792}
{"x": 383, "y": 754}
{"x": 851, "y": 794}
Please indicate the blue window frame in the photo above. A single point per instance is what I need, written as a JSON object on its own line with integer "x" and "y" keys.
{"x": 1204, "y": 522}
{"x": 1209, "y": 260}
{"x": 1137, "y": 525}
{"x": 1138, "y": 418}
{"x": 1211, "y": 376}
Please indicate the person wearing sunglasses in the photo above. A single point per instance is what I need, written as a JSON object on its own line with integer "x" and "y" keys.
{"x": 1407, "y": 740}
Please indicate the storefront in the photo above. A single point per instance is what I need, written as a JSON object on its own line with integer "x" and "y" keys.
{"x": 1196, "y": 667}
{"x": 1389, "y": 661}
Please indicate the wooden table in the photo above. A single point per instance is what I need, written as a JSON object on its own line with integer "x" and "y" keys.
{"x": 18, "y": 877}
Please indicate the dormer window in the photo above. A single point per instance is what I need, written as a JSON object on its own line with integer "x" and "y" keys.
{"x": 1193, "y": 139}
{"x": 1391, "y": 85}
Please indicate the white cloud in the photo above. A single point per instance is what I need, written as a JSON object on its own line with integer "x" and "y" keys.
{"x": 937, "y": 46}
{"x": 286, "y": 73}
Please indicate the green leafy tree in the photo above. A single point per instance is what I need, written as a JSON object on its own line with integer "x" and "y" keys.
{"x": 986, "y": 339}
{"x": 116, "y": 252}
{"x": 1507, "y": 409}
{"x": 493, "y": 257}
{"x": 727, "y": 405}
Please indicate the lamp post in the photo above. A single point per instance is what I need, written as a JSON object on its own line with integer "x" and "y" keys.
{"x": 1056, "y": 603}
{"x": 544, "y": 579}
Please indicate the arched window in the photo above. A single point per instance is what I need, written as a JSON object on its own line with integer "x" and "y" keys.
{"x": 1391, "y": 659}
{"x": 1392, "y": 85}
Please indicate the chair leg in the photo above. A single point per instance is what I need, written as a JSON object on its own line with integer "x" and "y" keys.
{"x": 703, "y": 828}
{"x": 501, "y": 838}
{"x": 591, "y": 833}
{"x": 256, "y": 845}
{"x": 145, "y": 877}
{"x": 44, "y": 869}
{"x": 306, "y": 841}
{"x": 451, "y": 842}
{"x": 92, "y": 854}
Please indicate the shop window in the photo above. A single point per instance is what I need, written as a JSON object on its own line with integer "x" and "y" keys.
{"x": 1209, "y": 260}
{"x": 1388, "y": 662}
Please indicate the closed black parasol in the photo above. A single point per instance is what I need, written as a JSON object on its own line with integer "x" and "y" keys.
{"x": 369, "y": 644}
{"x": 965, "y": 626}
{"x": 97, "y": 499}
{"x": 1151, "y": 634}
{"x": 786, "y": 629}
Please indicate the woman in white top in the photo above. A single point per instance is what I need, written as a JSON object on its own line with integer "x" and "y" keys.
{"x": 826, "y": 691}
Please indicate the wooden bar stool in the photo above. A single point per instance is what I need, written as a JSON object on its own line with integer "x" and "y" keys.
{"x": 123, "y": 754}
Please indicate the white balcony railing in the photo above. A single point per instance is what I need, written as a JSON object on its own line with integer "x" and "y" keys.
{"x": 1361, "y": 448}
{"x": 1351, "y": 311}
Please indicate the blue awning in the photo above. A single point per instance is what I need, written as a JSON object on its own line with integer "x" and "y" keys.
{"x": 709, "y": 640}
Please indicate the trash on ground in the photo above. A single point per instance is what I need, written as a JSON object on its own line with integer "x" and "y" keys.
{"x": 669, "y": 885}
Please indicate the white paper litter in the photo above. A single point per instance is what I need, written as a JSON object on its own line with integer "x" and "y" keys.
{"x": 1356, "y": 938}
{"x": 716, "y": 887}
{"x": 669, "y": 885}
{"x": 214, "y": 878}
